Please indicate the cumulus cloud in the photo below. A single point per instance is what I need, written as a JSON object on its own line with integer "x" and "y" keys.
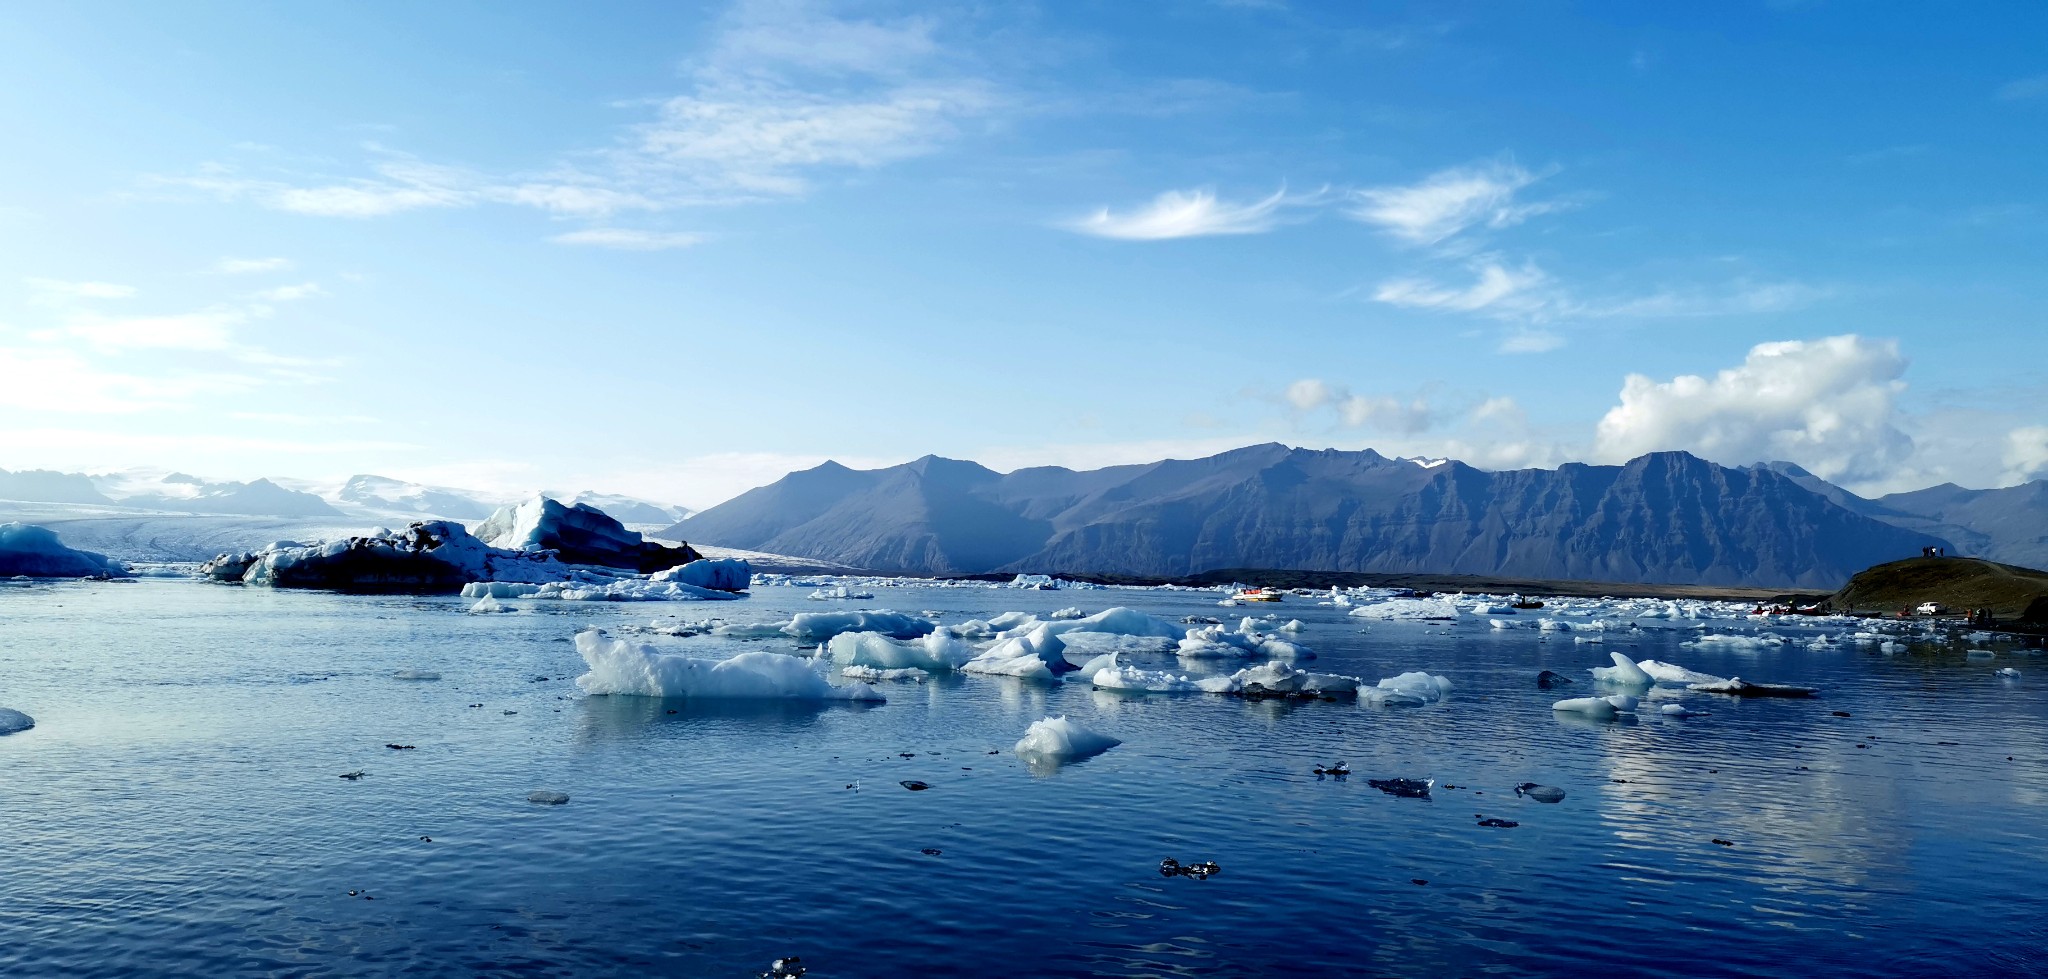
{"x": 1825, "y": 404}
{"x": 1449, "y": 202}
{"x": 1187, "y": 214}
{"x": 630, "y": 239}
{"x": 2026, "y": 454}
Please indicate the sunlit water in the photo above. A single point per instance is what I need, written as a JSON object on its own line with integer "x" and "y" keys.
{"x": 177, "y": 809}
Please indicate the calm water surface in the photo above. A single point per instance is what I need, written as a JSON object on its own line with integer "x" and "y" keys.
{"x": 177, "y": 809}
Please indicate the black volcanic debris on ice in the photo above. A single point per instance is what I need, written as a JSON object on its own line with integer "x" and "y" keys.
{"x": 1662, "y": 517}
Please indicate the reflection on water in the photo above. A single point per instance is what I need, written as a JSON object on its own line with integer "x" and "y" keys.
{"x": 177, "y": 808}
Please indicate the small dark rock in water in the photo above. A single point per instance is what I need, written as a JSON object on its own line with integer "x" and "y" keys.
{"x": 1551, "y": 678}
{"x": 547, "y": 797}
{"x": 399, "y": 747}
{"x": 1499, "y": 823}
{"x": 1417, "y": 881}
{"x": 788, "y": 968}
{"x": 1406, "y": 788}
{"x": 906, "y": 754}
{"x": 1720, "y": 842}
{"x": 1540, "y": 793}
{"x": 1840, "y": 713}
{"x": 352, "y": 776}
{"x": 1339, "y": 770}
{"x": 931, "y": 851}
{"x": 1170, "y": 867}
{"x": 426, "y": 839}
{"x": 914, "y": 786}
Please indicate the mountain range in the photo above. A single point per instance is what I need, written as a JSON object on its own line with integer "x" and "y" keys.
{"x": 1662, "y": 517}
{"x": 361, "y": 497}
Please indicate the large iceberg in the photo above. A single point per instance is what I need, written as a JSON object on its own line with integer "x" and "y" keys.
{"x": 580, "y": 534}
{"x": 430, "y": 557}
{"x": 620, "y": 667}
{"x": 810, "y": 627}
{"x": 26, "y": 549}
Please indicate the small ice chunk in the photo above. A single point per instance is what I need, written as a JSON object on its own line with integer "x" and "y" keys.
{"x": 547, "y": 797}
{"x": 1598, "y": 708}
{"x": 1413, "y": 689}
{"x": 871, "y": 674}
{"x": 1059, "y": 739}
{"x": 2009, "y": 673}
{"x": 13, "y": 721}
{"x": 1540, "y": 793}
{"x": 809, "y": 627}
{"x": 1672, "y": 673}
{"x": 1070, "y": 612}
{"x": 487, "y": 604}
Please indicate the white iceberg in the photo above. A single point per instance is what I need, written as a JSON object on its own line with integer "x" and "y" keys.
{"x": 1413, "y": 689}
{"x": 1624, "y": 672}
{"x": 1059, "y": 739}
{"x": 1038, "y": 655}
{"x": 814, "y": 627}
{"x": 620, "y": 667}
{"x": 1130, "y": 679}
{"x": 1598, "y": 708}
{"x": 937, "y": 652}
{"x": 1409, "y": 609}
{"x": 1674, "y": 674}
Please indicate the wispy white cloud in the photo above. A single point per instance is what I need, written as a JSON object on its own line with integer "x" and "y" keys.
{"x": 2026, "y": 453}
{"x": 1188, "y": 214}
{"x": 1497, "y": 288}
{"x": 2032, "y": 87}
{"x": 786, "y": 92}
{"x": 1528, "y": 340}
{"x": 1386, "y": 413}
{"x": 208, "y": 329}
{"x": 1449, "y": 202}
{"x": 247, "y": 266}
{"x": 58, "y": 290}
{"x": 630, "y": 239}
{"x": 286, "y": 294}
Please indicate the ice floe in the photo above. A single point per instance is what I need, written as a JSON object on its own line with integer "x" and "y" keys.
{"x": 1412, "y": 689}
{"x": 937, "y": 652}
{"x": 816, "y": 627}
{"x": 13, "y": 721}
{"x": 621, "y": 667}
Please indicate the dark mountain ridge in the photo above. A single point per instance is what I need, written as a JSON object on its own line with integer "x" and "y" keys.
{"x": 1663, "y": 517}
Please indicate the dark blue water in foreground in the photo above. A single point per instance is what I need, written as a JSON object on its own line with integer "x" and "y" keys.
{"x": 177, "y": 812}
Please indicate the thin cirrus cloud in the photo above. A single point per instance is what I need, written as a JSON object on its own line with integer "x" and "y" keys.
{"x": 2024, "y": 88}
{"x": 630, "y": 239}
{"x": 1449, "y": 202}
{"x": 784, "y": 93}
{"x": 250, "y": 266}
{"x": 1188, "y": 214}
{"x": 61, "y": 290}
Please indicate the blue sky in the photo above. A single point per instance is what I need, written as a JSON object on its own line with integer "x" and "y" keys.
{"x": 676, "y": 252}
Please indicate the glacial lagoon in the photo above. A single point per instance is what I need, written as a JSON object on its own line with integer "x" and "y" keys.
{"x": 178, "y": 809}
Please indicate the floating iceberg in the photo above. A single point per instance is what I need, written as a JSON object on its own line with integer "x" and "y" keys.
{"x": 1738, "y": 687}
{"x": 1674, "y": 674}
{"x": 487, "y": 604}
{"x": 36, "y": 552}
{"x": 1130, "y": 679}
{"x": 1059, "y": 739}
{"x": 1038, "y": 655}
{"x": 937, "y": 652}
{"x": 717, "y": 574}
{"x": 814, "y": 627}
{"x": 1598, "y": 708}
{"x": 1413, "y": 689}
{"x": 430, "y": 557}
{"x": 620, "y": 667}
{"x": 1277, "y": 680}
{"x": 1409, "y": 609}
{"x": 13, "y": 721}
{"x": 1624, "y": 672}
{"x": 580, "y": 534}
{"x": 839, "y": 593}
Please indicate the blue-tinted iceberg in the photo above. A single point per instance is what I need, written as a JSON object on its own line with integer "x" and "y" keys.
{"x": 621, "y": 667}
{"x": 26, "y": 549}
